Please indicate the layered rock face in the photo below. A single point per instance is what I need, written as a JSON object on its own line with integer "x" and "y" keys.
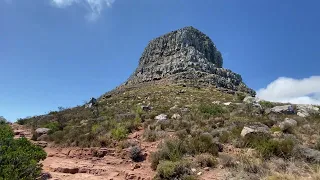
{"x": 185, "y": 56}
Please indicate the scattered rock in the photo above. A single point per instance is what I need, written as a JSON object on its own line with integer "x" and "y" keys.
{"x": 45, "y": 176}
{"x": 309, "y": 154}
{"x": 72, "y": 170}
{"x": 182, "y": 91}
{"x": 184, "y": 110}
{"x": 146, "y": 108}
{"x": 18, "y": 132}
{"x": 255, "y": 128}
{"x": 193, "y": 170}
{"x": 287, "y": 124}
{"x": 206, "y": 168}
{"x": 161, "y": 117}
{"x": 277, "y": 134}
{"x": 42, "y": 144}
{"x": 216, "y": 102}
{"x": 250, "y": 99}
{"x": 176, "y": 116}
{"x": 227, "y": 103}
{"x": 135, "y": 166}
{"x": 174, "y": 107}
{"x": 199, "y": 173}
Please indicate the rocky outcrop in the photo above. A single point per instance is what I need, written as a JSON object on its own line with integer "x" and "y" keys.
{"x": 307, "y": 110}
{"x": 285, "y": 109}
{"x": 185, "y": 56}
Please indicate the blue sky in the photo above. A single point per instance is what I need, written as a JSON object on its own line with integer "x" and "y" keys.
{"x": 61, "y": 52}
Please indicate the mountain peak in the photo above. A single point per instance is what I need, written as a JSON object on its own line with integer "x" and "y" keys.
{"x": 185, "y": 55}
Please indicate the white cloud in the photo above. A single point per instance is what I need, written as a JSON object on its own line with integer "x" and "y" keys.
{"x": 94, "y": 7}
{"x": 297, "y": 91}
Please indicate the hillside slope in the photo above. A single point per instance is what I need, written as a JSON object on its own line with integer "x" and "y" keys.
{"x": 180, "y": 115}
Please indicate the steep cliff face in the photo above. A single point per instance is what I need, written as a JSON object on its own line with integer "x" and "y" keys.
{"x": 185, "y": 56}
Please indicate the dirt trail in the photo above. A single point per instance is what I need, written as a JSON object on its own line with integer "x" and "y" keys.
{"x": 80, "y": 163}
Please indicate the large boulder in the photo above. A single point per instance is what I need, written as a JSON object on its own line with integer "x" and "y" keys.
{"x": 307, "y": 110}
{"x": 287, "y": 124}
{"x": 255, "y": 128}
{"x": 41, "y": 131}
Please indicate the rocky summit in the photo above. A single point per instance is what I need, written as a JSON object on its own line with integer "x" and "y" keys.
{"x": 185, "y": 56}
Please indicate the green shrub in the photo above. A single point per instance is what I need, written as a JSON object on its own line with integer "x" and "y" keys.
{"x": 275, "y": 129}
{"x": 3, "y": 120}
{"x": 268, "y": 147}
{"x": 168, "y": 170}
{"x": 150, "y": 135}
{"x": 206, "y": 160}
{"x": 203, "y": 144}
{"x": 21, "y": 121}
{"x": 251, "y": 164}
{"x": 53, "y": 126}
{"x": 119, "y": 133}
{"x": 135, "y": 154}
{"x": 170, "y": 149}
{"x": 19, "y": 157}
{"x": 266, "y": 104}
{"x": 57, "y": 136}
{"x": 227, "y": 161}
{"x": 211, "y": 110}
{"x": 240, "y": 97}
{"x": 224, "y": 137}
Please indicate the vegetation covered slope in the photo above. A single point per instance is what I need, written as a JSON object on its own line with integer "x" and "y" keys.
{"x": 206, "y": 126}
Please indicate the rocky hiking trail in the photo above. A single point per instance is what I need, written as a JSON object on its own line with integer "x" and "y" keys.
{"x": 72, "y": 163}
{"x": 80, "y": 163}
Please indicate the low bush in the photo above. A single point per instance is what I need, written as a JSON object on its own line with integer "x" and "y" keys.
{"x": 171, "y": 150}
{"x": 240, "y": 97}
{"x": 224, "y": 137}
{"x": 19, "y": 157}
{"x": 266, "y": 104}
{"x": 150, "y": 135}
{"x": 168, "y": 170}
{"x": 275, "y": 129}
{"x": 206, "y": 160}
{"x": 212, "y": 110}
{"x": 268, "y": 147}
{"x": 53, "y": 126}
{"x": 251, "y": 164}
{"x": 203, "y": 144}
{"x": 119, "y": 133}
{"x": 136, "y": 154}
{"x": 227, "y": 161}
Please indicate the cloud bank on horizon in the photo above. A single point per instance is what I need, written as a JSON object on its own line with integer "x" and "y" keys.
{"x": 94, "y": 7}
{"x": 297, "y": 91}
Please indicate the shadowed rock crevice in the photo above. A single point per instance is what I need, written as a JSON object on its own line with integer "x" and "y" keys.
{"x": 185, "y": 56}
